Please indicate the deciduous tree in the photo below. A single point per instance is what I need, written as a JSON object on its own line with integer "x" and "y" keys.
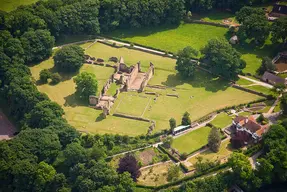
{"x": 129, "y": 164}
{"x": 185, "y": 64}
{"x": 172, "y": 123}
{"x": 223, "y": 59}
{"x": 214, "y": 139}
{"x": 278, "y": 30}
{"x": 266, "y": 65}
{"x": 185, "y": 119}
{"x": 87, "y": 85}
{"x": 69, "y": 58}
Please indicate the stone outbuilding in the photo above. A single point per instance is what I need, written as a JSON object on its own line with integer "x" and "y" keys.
{"x": 272, "y": 78}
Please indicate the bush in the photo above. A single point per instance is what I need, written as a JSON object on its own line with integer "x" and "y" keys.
{"x": 56, "y": 78}
{"x": 45, "y": 74}
{"x": 69, "y": 59}
{"x": 183, "y": 156}
{"x": 131, "y": 44}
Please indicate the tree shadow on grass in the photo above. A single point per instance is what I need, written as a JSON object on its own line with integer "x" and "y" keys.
{"x": 201, "y": 79}
{"x": 73, "y": 101}
{"x": 64, "y": 76}
{"x": 100, "y": 117}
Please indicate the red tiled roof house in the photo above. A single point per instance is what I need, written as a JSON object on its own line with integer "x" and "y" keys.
{"x": 246, "y": 130}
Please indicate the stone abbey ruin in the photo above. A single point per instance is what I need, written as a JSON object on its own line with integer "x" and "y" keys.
{"x": 128, "y": 78}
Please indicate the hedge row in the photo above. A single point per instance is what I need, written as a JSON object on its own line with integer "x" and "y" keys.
{"x": 168, "y": 153}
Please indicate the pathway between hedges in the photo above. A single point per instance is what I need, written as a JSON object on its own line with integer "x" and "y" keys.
{"x": 256, "y": 81}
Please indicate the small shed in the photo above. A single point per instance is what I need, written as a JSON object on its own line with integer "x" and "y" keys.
{"x": 234, "y": 40}
{"x": 272, "y": 78}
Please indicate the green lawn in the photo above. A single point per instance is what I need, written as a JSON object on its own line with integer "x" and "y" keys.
{"x": 224, "y": 151}
{"x": 204, "y": 89}
{"x": 243, "y": 82}
{"x": 9, "y": 5}
{"x": 191, "y": 141}
{"x": 131, "y": 104}
{"x": 260, "y": 89}
{"x": 222, "y": 120}
{"x": 80, "y": 115}
{"x": 199, "y": 96}
{"x": 172, "y": 38}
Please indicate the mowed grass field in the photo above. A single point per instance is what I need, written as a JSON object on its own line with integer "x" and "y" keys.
{"x": 10, "y": 5}
{"x": 191, "y": 141}
{"x": 80, "y": 115}
{"x": 174, "y": 38}
{"x": 199, "y": 96}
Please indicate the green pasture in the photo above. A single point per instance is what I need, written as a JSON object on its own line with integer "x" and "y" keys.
{"x": 172, "y": 38}
{"x": 191, "y": 141}
{"x": 10, "y": 5}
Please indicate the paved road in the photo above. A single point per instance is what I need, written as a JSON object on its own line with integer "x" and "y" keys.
{"x": 253, "y": 158}
{"x": 257, "y": 82}
{"x": 274, "y": 104}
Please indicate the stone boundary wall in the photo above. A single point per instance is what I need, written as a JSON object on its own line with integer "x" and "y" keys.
{"x": 249, "y": 90}
{"x": 208, "y": 23}
{"x": 131, "y": 117}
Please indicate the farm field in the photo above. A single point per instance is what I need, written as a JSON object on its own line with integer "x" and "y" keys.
{"x": 222, "y": 120}
{"x": 199, "y": 93}
{"x": 224, "y": 151}
{"x": 156, "y": 175}
{"x": 191, "y": 141}
{"x": 10, "y": 5}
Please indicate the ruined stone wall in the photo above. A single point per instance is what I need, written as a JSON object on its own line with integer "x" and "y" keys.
{"x": 133, "y": 74}
{"x": 148, "y": 76}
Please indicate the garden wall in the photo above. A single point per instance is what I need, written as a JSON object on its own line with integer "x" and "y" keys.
{"x": 249, "y": 90}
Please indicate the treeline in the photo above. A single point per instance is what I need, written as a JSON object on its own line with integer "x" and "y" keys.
{"x": 65, "y": 17}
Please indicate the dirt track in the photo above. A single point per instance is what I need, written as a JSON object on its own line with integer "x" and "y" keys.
{"x": 6, "y": 127}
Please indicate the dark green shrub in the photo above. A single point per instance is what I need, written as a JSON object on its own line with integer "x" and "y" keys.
{"x": 45, "y": 74}
{"x": 56, "y": 78}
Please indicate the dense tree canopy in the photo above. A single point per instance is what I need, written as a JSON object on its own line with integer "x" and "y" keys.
{"x": 266, "y": 65}
{"x": 69, "y": 59}
{"x": 87, "y": 85}
{"x": 279, "y": 30}
{"x": 185, "y": 64}
{"x": 222, "y": 58}
{"x": 37, "y": 45}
